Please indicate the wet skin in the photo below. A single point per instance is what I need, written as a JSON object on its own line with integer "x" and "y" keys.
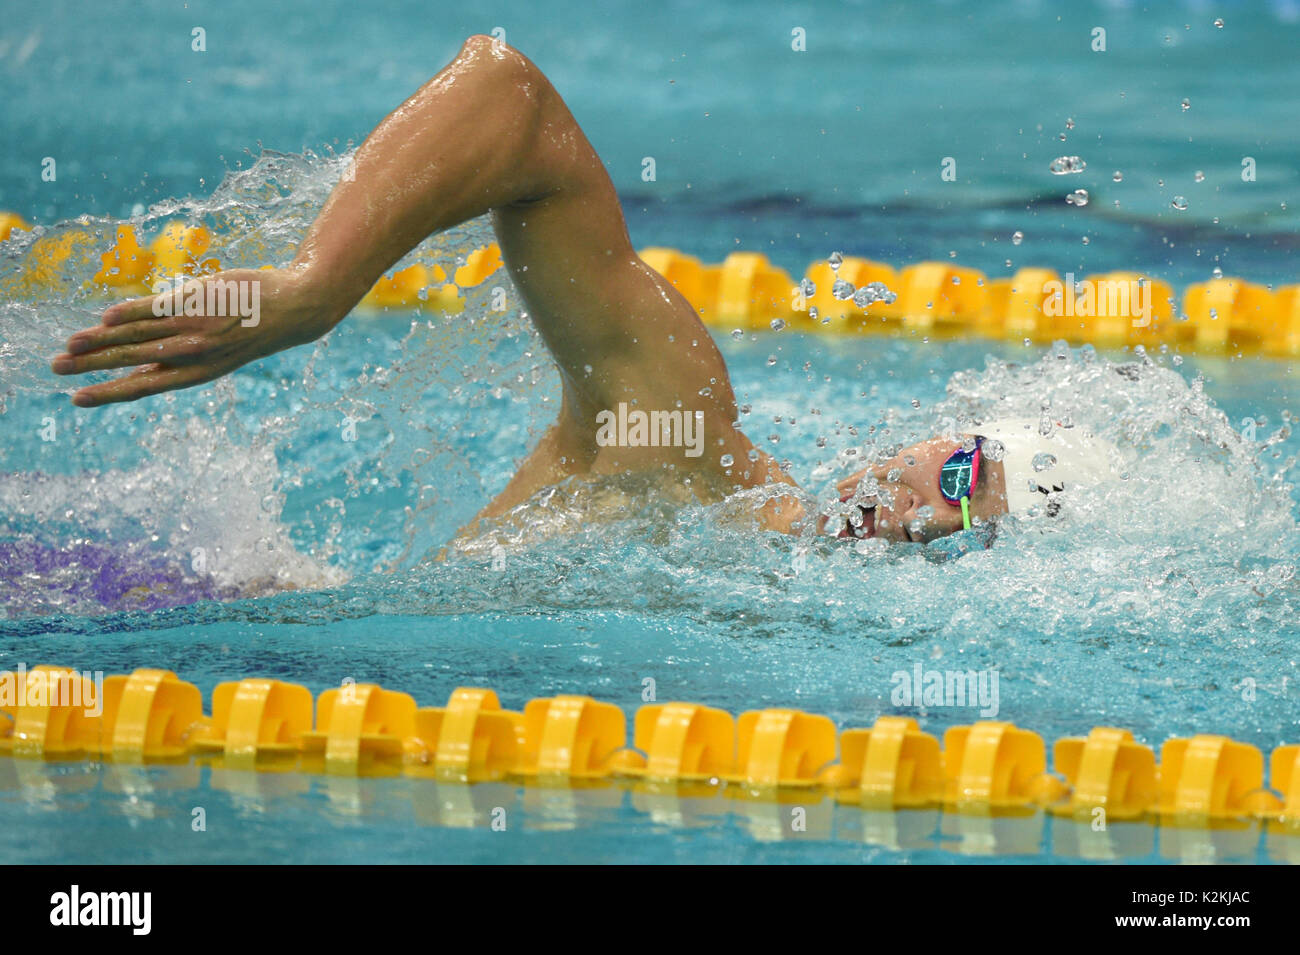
{"x": 489, "y": 134}
{"x": 893, "y": 505}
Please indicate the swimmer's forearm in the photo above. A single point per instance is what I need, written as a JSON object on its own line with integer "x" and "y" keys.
{"x": 457, "y": 148}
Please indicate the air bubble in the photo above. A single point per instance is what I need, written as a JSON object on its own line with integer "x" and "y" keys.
{"x": 1078, "y": 198}
{"x": 1017, "y": 237}
{"x": 1186, "y": 104}
{"x": 1179, "y": 203}
{"x": 1117, "y": 176}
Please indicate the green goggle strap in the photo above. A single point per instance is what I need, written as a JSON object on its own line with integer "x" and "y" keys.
{"x": 965, "y": 512}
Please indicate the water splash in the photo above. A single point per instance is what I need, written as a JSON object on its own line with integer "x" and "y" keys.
{"x": 277, "y": 477}
{"x": 255, "y": 472}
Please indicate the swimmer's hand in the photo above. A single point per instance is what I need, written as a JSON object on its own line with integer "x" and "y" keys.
{"x": 261, "y": 313}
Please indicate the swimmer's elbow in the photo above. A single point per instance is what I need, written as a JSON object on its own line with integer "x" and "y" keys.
{"x": 500, "y": 64}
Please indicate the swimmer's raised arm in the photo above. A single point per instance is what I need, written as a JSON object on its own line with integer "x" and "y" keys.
{"x": 488, "y": 133}
{"x": 463, "y": 144}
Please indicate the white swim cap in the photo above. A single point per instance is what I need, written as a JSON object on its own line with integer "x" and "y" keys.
{"x": 1036, "y": 464}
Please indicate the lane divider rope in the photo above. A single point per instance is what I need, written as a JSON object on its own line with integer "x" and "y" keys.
{"x": 362, "y": 729}
{"x": 930, "y": 299}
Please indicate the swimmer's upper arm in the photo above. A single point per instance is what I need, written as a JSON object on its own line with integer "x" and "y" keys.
{"x": 616, "y": 328}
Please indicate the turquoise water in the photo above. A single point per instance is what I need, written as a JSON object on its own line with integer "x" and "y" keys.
{"x": 1155, "y": 603}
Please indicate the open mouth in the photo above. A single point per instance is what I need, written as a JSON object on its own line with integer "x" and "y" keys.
{"x": 864, "y": 530}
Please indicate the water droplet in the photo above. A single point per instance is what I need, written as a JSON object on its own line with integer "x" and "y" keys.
{"x": 894, "y": 474}
{"x": 993, "y": 449}
{"x": 737, "y": 333}
{"x": 1179, "y": 203}
{"x": 1078, "y": 198}
{"x": 1219, "y": 22}
{"x": 874, "y": 292}
{"x": 1017, "y": 237}
{"x": 1086, "y": 240}
{"x": 753, "y": 454}
{"x": 746, "y": 409}
{"x": 1065, "y": 165}
{"x": 778, "y": 324}
{"x": 808, "y": 288}
{"x": 727, "y": 460}
{"x": 925, "y": 512}
{"x": 916, "y": 402}
{"x": 1069, "y": 124}
{"x": 1217, "y": 272}
{"x": 1117, "y": 176}
{"x": 842, "y": 290}
{"x": 1186, "y": 104}
{"x": 771, "y": 360}
{"x": 1200, "y": 176}
{"x": 865, "y": 296}
{"x": 836, "y": 260}
{"x": 1044, "y": 461}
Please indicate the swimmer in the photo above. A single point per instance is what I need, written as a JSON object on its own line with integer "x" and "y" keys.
{"x": 489, "y": 134}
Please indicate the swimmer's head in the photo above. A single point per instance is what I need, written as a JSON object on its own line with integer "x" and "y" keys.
{"x": 1017, "y": 467}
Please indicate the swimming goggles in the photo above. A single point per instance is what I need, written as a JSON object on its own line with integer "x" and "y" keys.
{"x": 958, "y": 476}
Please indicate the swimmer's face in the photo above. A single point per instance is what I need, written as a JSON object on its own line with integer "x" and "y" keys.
{"x": 904, "y": 503}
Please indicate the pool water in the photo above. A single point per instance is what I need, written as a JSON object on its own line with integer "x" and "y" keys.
{"x": 283, "y": 522}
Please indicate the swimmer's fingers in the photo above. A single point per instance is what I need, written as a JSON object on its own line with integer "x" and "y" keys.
{"x": 149, "y": 380}
{"x": 175, "y": 350}
{"x": 102, "y": 336}
{"x": 138, "y": 309}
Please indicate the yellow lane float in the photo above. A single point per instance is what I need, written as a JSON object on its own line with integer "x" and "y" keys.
{"x": 362, "y": 729}
{"x": 747, "y": 291}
